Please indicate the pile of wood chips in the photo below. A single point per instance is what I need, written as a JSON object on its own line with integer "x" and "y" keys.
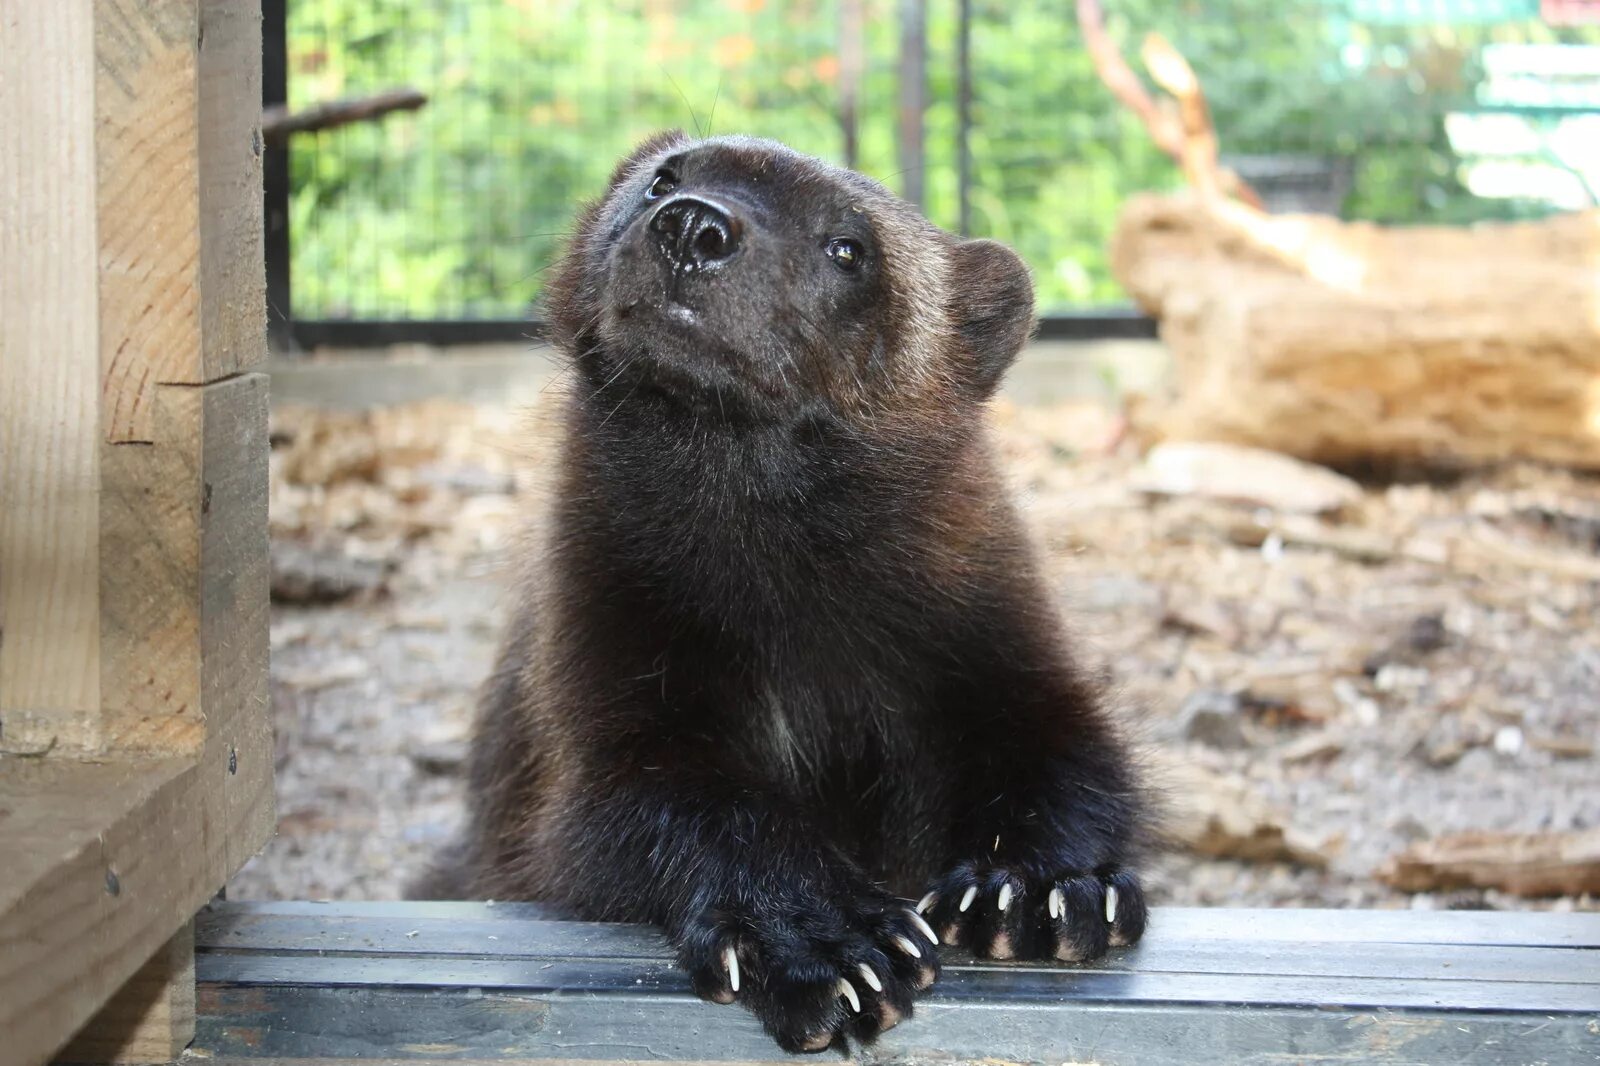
{"x": 1350, "y": 694}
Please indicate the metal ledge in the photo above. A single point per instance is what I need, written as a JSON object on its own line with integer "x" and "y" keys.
{"x": 410, "y": 982}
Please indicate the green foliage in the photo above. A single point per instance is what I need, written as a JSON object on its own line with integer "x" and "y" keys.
{"x": 457, "y": 210}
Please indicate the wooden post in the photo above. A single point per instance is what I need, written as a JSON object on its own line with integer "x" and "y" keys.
{"x": 135, "y": 747}
{"x": 151, "y": 1018}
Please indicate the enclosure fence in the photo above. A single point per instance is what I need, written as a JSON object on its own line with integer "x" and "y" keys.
{"x": 988, "y": 113}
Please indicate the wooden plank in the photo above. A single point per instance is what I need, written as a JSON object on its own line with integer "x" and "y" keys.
{"x": 149, "y": 580}
{"x": 49, "y": 382}
{"x": 184, "y": 593}
{"x": 126, "y": 853}
{"x": 147, "y": 128}
{"x": 94, "y": 888}
{"x": 184, "y": 569}
{"x": 234, "y": 612}
{"x": 233, "y": 300}
{"x": 182, "y": 292}
{"x": 130, "y": 215}
{"x": 343, "y": 982}
{"x": 151, "y": 1019}
{"x": 133, "y": 451}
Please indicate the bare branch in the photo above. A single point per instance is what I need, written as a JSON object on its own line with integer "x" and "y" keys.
{"x": 1199, "y": 138}
{"x": 1124, "y": 83}
{"x": 1185, "y": 133}
{"x": 278, "y": 123}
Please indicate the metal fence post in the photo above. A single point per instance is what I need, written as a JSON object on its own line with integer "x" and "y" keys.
{"x": 913, "y": 95}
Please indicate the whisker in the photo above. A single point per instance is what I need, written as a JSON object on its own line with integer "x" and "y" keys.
{"x": 626, "y": 396}
{"x": 608, "y": 382}
{"x": 715, "y": 97}
{"x": 692, "y": 116}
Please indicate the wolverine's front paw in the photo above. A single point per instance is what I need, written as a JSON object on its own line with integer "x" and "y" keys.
{"x": 814, "y": 970}
{"x": 1002, "y": 912}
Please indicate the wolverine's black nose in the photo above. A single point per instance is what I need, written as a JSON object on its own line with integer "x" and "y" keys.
{"x": 694, "y": 234}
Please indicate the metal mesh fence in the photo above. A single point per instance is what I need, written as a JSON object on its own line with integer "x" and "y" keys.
{"x": 1379, "y": 109}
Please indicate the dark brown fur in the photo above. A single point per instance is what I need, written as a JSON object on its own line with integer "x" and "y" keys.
{"x": 786, "y": 654}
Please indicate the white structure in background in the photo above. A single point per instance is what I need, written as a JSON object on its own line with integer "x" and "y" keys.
{"x": 1535, "y": 132}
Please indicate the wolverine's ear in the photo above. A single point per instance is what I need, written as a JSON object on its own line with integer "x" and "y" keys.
{"x": 647, "y": 150}
{"x": 993, "y": 308}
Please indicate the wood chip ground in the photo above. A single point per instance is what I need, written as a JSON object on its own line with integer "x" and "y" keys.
{"x": 1423, "y": 662}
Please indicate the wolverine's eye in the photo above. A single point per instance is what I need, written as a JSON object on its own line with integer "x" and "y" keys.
{"x": 665, "y": 182}
{"x": 845, "y": 253}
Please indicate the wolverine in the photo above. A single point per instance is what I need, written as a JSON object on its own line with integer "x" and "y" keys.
{"x": 784, "y": 678}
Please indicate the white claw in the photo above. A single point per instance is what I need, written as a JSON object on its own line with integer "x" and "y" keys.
{"x": 730, "y": 959}
{"x": 967, "y": 897}
{"x": 923, "y": 926}
{"x": 1111, "y": 903}
{"x": 848, "y": 991}
{"x": 907, "y": 945}
{"x": 1058, "y": 904}
{"x": 926, "y": 901}
{"x": 869, "y": 977}
{"x": 1005, "y": 896}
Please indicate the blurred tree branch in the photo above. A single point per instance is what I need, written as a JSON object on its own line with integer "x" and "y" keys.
{"x": 278, "y": 123}
{"x": 1185, "y": 133}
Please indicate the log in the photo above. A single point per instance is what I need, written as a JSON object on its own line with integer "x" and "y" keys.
{"x": 1349, "y": 344}
{"x": 1524, "y": 864}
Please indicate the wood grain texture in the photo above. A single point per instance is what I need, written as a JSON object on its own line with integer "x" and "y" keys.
{"x": 183, "y": 565}
{"x": 104, "y": 862}
{"x": 182, "y": 292}
{"x": 184, "y": 670}
{"x": 233, "y": 299}
{"x": 150, "y": 580}
{"x": 151, "y": 1018}
{"x": 234, "y": 614}
{"x": 49, "y": 381}
{"x": 133, "y": 550}
{"x": 146, "y": 165}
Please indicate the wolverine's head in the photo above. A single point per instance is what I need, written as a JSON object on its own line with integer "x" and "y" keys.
{"x": 746, "y": 281}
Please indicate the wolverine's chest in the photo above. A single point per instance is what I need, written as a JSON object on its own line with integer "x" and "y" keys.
{"x": 859, "y": 754}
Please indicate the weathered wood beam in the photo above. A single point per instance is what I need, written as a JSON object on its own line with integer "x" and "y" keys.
{"x": 49, "y": 383}
{"x": 135, "y": 752}
{"x": 152, "y": 1019}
